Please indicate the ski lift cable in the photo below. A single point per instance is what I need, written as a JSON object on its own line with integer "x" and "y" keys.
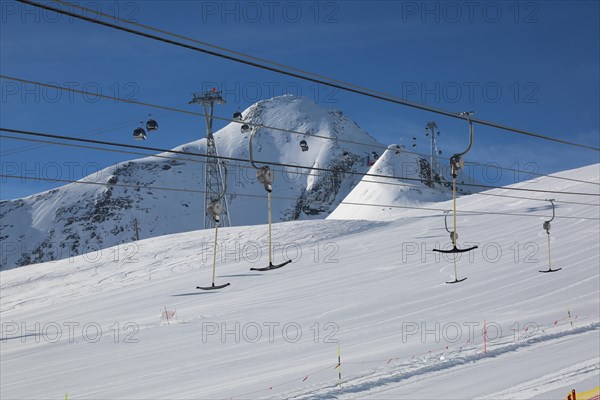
{"x": 84, "y": 134}
{"x": 48, "y": 142}
{"x": 321, "y": 169}
{"x": 172, "y": 109}
{"x": 327, "y": 82}
{"x": 465, "y": 212}
{"x": 106, "y": 184}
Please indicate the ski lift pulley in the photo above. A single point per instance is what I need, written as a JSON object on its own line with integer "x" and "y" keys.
{"x": 214, "y": 210}
{"x": 265, "y": 176}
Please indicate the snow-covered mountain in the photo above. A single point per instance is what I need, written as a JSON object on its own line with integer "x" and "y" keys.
{"x": 78, "y": 218}
{"x": 381, "y": 190}
{"x": 90, "y": 326}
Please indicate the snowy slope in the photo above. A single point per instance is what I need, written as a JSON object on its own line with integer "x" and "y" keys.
{"x": 410, "y": 191}
{"x": 76, "y": 219}
{"x": 364, "y": 284}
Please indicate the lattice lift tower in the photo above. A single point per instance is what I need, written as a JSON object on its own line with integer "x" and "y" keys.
{"x": 431, "y": 129}
{"x": 215, "y": 171}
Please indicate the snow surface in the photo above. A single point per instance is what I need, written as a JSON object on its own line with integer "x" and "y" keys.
{"x": 365, "y": 283}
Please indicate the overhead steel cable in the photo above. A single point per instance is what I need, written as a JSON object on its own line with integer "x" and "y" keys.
{"x": 197, "y": 114}
{"x": 84, "y": 134}
{"x": 134, "y": 186}
{"x": 231, "y": 120}
{"x": 48, "y": 142}
{"x": 330, "y": 83}
{"x": 466, "y": 212}
{"x": 279, "y": 164}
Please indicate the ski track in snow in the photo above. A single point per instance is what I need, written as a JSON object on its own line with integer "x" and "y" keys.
{"x": 568, "y": 376}
{"x": 376, "y": 381}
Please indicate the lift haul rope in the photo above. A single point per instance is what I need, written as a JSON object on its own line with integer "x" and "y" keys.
{"x": 367, "y": 93}
{"x": 294, "y": 166}
{"x": 288, "y": 172}
{"x": 172, "y": 109}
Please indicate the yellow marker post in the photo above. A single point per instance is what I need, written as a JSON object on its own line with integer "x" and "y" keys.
{"x": 570, "y": 318}
{"x": 339, "y": 366}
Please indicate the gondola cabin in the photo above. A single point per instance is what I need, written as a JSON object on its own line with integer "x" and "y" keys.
{"x": 151, "y": 125}
{"x": 139, "y": 134}
{"x": 304, "y": 145}
{"x": 372, "y": 158}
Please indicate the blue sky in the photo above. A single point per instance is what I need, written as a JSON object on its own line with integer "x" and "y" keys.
{"x": 533, "y": 65}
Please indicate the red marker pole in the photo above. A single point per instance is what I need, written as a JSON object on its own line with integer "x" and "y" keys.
{"x": 484, "y": 337}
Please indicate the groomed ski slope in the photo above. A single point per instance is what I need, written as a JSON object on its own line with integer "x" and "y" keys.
{"x": 365, "y": 283}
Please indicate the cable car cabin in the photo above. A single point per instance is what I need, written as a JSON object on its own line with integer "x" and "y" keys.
{"x": 139, "y": 134}
{"x": 151, "y": 125}
{"x": 372, "y": 158}
{"x": 303, "y": 145}
{"x": 237, "y": 116}
{"x": 245, "y": 128}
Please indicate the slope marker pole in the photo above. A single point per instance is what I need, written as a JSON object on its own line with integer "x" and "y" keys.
{"x": 339, "y": 365}
{"x": 484, "y": 337}
{"x": 570, "y": 317}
